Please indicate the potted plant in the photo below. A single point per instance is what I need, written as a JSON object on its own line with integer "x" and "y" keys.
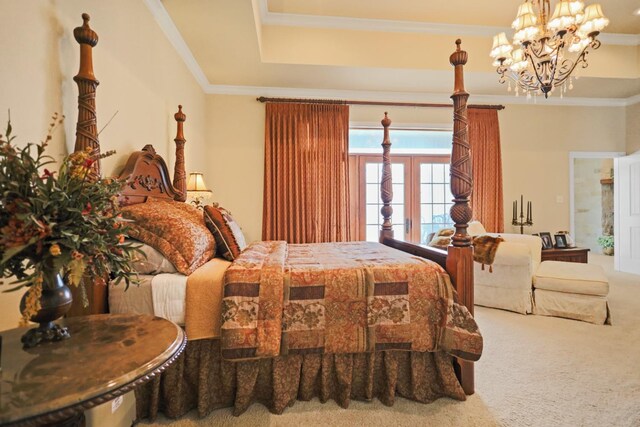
{"x": 607, "y": 244}
{"x": 57, "y": 228}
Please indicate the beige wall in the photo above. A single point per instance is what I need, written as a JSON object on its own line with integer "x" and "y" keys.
{"x": 535, "y": 152}
{"x": 535, "y": 155}
{"x": 141, "y": 77}
{"x": 235, "y": 169}
{"x": 633, "y": 128}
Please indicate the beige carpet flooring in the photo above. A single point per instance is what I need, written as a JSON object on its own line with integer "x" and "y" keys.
{"x": 535, "y": 371}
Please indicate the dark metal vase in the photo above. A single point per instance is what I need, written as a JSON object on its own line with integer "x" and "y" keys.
{"x": 55, "y": 301}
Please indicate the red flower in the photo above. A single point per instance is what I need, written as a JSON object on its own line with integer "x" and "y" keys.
{"x": 87, "y": 210}
{"x": 88, "y": 163}
{"x": 47, "y": 174}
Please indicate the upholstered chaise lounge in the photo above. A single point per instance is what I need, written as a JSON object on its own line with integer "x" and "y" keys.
{"x": 508, "y": 284}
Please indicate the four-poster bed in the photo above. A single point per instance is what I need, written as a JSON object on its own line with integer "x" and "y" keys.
{"x": 203, "y": 379}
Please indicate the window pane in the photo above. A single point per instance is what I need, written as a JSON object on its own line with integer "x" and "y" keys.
{"x": 414, "y": 141}
{"x": 447, "y": 176}
{"x": 425, "y": 230}
{"x": 426, "y": 213}
{"x": 426, "y": 193}
{"x": 373, "y": 193}
{"x": 425, "y": 172}
{"x": 438, "y": 172}
{"x": 438, "y": 193}
{"x": 398, "y": 193}
{"x": 398, "y": 232}
{"x": 448, "y": 196}
{"x": 373, "y": 233}
{"x": 371, "y": 173}
{"x": 373, "y": 214}
{"x": 397, "y": 173}
{"x": 398, "y": 214}
{"x": 437, "y": 227}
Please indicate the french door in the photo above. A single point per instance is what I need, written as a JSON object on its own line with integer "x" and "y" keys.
{"x": 421, "y": 196}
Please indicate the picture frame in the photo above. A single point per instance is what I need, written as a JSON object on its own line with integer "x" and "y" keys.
{"x": 547, "y": 243}
{"x": 570, "y": 242}
{"x": 561, "y": 241}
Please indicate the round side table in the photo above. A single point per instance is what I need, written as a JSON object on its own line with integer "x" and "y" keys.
{"x": 106, "y": 356}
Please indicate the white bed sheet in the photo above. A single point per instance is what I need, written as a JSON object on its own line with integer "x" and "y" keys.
{"x": 162, "y": 295}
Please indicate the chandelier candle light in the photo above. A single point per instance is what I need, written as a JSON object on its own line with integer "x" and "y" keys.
{"x": 547, "y": 49}
{"x": 521, "y": 220}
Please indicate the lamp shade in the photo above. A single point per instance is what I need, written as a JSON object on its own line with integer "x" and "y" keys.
{"x": 523, "y": 10}
{"x": 196, "y": 182}
{"x": 577, "y": 7}
{"x": 501, "y": 46}
{"x": 593, "y": 20}
{"x": 562, "y": 17}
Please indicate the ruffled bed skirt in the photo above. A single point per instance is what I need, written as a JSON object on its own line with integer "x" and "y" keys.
{"x": 200, "y": 379}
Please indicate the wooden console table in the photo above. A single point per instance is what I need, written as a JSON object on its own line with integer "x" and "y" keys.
{"x": 567, "y": 255}
{"x": 106, "y": 356}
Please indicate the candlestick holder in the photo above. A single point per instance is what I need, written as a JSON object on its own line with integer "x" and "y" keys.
{"x": 522, "y": 221}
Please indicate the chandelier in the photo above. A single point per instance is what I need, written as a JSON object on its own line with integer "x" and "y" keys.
{"x": 548, "y": 50}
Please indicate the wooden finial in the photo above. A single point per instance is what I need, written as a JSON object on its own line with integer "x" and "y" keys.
{"x": 179, "y": 171}
{"x": 180, "y": 116}
{"x": 386, "y": 121}
{"x": 84, "y": 34}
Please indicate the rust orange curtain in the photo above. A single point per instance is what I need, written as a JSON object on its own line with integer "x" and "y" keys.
{"x": 306, "y": 173}
{"x": 486, "y": 160}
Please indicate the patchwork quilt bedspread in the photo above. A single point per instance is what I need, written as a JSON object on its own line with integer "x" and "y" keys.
{"x": 353, "y": 297}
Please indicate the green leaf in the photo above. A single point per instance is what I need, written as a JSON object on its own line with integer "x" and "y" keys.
{"x": 11, "y": 252}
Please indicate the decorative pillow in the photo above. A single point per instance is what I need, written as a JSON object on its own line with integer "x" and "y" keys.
{"x": 152, "y": 262}
{"x": 229, "y": 238}
{"x": 175, "y": 229}
{"x": 442, "y": 238}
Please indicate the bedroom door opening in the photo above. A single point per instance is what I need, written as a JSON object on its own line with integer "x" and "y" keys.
{"x": 592, "y": 198}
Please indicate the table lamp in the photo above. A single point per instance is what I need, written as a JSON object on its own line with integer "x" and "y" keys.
{"x": 197, "y": 191}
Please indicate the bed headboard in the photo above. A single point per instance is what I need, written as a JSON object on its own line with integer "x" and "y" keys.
{"x": 146, "y": 174}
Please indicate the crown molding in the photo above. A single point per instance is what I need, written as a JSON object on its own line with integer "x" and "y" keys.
{"x": 620, "y": 39}
{"x": 359, "y": 95}
{"x": 172, "y": 33}
{"x": 392, "y": 26}
{"x": 632, "y": 100}
{"x": 384, "y": 25}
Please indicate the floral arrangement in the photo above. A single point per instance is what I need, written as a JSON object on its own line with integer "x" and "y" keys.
{"x": 606, "y": 241}
{"x": 66, "y": 222}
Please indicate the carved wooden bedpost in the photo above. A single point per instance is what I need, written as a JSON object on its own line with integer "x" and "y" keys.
{"x": 179, "y": 173}
{"x": 87, "y": 127}
{"x": 87, "y": 136}
{"x": 386, "y": 187}
{"x": 460, "y": 254}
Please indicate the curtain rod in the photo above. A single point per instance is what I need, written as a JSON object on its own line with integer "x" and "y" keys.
{"x": 390, "y": 104}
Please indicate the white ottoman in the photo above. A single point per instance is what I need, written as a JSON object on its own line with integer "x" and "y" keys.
{"x": 572, "y": 290}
